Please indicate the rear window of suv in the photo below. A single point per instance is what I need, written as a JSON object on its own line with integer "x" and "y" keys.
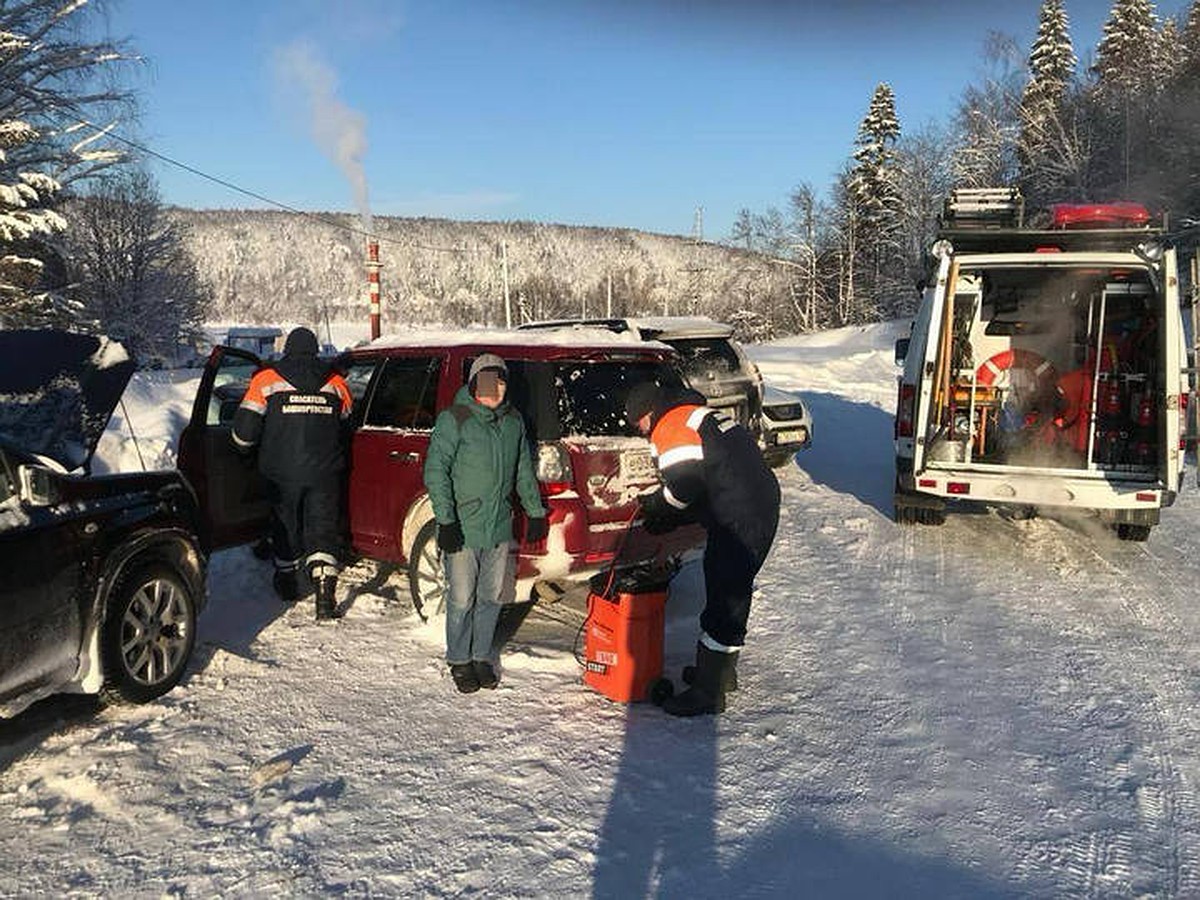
{"x": 580, "y": 397}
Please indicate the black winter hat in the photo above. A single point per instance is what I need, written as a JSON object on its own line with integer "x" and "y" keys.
{"x": 641, "y": 400}
{"x": 300, "y": 342}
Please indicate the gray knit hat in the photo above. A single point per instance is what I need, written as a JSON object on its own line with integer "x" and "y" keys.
{"x": 487, "y": 361}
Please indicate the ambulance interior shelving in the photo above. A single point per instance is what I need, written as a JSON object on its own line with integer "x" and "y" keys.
{"x": 1049, "y": 368}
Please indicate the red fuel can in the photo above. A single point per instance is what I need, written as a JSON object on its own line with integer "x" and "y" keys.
{"x": 623, "y": 646}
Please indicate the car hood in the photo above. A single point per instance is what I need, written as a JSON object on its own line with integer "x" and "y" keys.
{"x": 58, "y": 391}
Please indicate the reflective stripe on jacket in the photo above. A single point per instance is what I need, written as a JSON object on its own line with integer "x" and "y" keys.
{"x": 713, "y": 467}
{"x": 299, "y": 433}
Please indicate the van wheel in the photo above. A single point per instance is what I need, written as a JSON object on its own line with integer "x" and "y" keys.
{"x": 148, "y": 634}
{"x": 931, "y": 516}
{"x": 426, "y": 574}
{"x": 1129, "y": 532}
{"x": 905, "y": 514}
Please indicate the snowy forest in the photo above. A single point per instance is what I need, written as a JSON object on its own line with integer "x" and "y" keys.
{"x": 89, "y": 243}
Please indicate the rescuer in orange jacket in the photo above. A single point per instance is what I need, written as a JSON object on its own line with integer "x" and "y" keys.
{"x": 294, "y": 412}
{"x": 713, "y": 473}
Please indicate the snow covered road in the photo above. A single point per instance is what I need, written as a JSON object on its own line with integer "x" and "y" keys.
{"x": 996, "y": 707}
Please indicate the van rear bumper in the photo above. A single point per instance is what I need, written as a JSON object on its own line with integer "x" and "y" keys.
{"x": 1023, "y": 487}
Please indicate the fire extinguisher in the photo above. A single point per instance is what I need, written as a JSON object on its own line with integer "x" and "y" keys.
{"x": 1110, "y": 398}
{"x": 1143, "y": 411}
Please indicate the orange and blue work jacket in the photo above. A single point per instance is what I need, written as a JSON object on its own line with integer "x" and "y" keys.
{"x": 294, "y": 412}
{"x": 711, "y": 466}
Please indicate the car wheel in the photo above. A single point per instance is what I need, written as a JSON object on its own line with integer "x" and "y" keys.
{"x": 148, "y": 634}
{"x": 426, "y": 574}
{"x": 779, "y": 460}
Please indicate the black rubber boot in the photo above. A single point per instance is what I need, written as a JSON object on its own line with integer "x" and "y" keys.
{"x": 706, "y": 696}
{"x": 731, "y": 684}
{"x": 326, "y": 604}
{"x": 286, "y": 585}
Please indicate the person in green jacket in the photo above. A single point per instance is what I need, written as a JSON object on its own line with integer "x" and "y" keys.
{"x": 478, "y": 454}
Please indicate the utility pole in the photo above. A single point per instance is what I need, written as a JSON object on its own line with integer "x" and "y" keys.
{"x": 504, "y": 275}
{"x": 608, "y": 306}
{"x": 698, "y": 226}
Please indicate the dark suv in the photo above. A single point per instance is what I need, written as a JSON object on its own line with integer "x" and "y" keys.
{"x": 571, "y": 389}
{"x": 103, "y": 575}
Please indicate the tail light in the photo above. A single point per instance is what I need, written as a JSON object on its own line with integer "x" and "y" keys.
{"x": 904, "y": 410}
{"x": 553, "y": 468}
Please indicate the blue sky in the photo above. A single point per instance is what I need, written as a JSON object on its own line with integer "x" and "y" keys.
{"x": 626, "y": 113}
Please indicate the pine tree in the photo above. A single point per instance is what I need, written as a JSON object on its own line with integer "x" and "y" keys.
{"x": 874, "y": 189}
{"x": 24, "y": 220}
{"x": 1051, "y": 58}
{"x": 1052, "y": 151}
{"x": 1130, "y": 79}
{"x": 1189, "y": 44}
{"x": 50, "y": 92}
{"x": 1124, "y": 66}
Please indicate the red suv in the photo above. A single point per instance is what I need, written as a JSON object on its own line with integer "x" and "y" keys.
{"x": 570, "y": 387}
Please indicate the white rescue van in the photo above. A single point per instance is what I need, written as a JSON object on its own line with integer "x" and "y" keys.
{"x": 1044, "y": 367}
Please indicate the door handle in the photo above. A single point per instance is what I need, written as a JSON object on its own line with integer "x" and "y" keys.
{"x": 411, "y": 456}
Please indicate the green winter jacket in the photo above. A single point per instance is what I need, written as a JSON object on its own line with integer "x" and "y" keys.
{"x": 477, "y": 456}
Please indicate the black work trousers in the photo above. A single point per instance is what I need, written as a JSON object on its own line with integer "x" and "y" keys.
{"x": 732, "y": 557}
{"x": 306, "y": 521}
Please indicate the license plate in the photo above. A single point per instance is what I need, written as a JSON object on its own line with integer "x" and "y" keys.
{"x": 637, "y": 466}
{"x": 790, "y": 437}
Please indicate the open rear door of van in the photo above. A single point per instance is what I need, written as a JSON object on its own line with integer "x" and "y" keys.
{"x": 234, "y": 507}
{"x": 939, "y": 335}
{"x": 1173, "y": 351}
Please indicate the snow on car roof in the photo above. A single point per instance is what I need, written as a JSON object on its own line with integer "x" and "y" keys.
{"x": 501, "y": 337}
{"x": 672, "y": 326}
{"x": 683, "y": 326}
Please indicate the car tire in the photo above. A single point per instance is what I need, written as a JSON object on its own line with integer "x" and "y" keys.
{"x": 148, "y": 633}
{"x": 779, "y": 460}
{"x": 426, "y": 574}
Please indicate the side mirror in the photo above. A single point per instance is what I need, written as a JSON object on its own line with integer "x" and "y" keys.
{"x": 38, "y": 487}
{"x": 901, "y": 350}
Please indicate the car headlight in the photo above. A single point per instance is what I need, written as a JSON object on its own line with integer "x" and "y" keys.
{"x": 785, "y": 412}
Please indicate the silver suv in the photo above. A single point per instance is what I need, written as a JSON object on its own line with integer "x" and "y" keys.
{"x": 711, "y": 360}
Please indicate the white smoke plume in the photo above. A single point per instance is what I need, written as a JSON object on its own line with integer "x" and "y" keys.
{"x": 339, "y": 131}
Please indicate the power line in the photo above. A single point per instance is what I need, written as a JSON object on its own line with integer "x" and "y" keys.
{"x": 249, "y": 193}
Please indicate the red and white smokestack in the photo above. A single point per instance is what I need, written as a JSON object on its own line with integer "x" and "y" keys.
{"x": 373, "y": 268}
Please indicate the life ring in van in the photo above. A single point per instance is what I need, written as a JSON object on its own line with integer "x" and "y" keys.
{"x": 1016, "y": 358}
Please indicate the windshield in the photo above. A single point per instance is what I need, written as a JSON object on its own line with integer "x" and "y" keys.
{"x": 706, "y": 357}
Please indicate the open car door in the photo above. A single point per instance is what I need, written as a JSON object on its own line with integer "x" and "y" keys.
{"x": 234, "y": 504}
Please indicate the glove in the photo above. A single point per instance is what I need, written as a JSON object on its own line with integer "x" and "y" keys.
{"x": 658, "y": 516}
{"x": 450, "y": 537}
{"x": 536, "y": 530}
{"x": 659, "y": 524}
{"x": 654, "y": 505}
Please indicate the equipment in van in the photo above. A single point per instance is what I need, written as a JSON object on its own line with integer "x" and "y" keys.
{"x": 1044, "y": 365}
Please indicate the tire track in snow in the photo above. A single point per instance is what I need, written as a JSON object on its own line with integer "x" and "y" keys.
{"x": 1146, "y": 777}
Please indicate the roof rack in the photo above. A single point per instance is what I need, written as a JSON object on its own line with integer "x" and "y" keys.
{"x": 984, "y": 208}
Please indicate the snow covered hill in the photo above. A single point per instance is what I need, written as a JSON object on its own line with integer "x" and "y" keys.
{"x": 992, "y": 708}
